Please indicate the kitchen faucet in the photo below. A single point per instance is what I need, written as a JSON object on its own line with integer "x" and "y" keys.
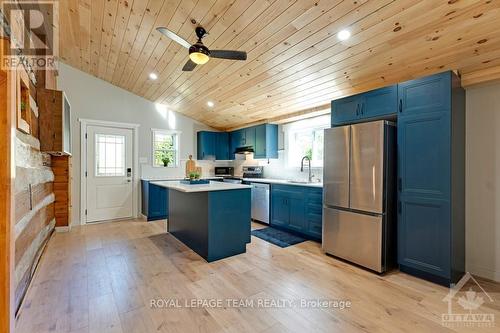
{"x": 302, "y": 167}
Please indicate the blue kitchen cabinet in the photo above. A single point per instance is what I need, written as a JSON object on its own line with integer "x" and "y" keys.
{"x": 314, "y": 212}
{"x": 379, "y": 103}
{"x": 249, "y": 140}
{"x": 280, "y": 210}
{"x": 236, "y": 139}
{"x": 206, "y": 145}
{"x": 154, "y": 201}
{"x": 431, "y": 141}
{"x": 266, "y": 141}
{"x": 213, "y": 146}
{"x": 375, "y": 104}
{"x": 222, "y": 146}
{"x": 297, "y": 209}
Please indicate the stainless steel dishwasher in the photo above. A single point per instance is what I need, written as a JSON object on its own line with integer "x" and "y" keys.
{"x": 260, "y": 202}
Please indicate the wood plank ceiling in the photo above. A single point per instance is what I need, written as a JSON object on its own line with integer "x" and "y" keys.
{"x": 295, "y": 60}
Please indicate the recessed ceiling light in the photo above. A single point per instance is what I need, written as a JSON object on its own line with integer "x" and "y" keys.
{"x": 344, "y": 34}
{"x": 210, "y": 104}
{"x": 153, "y": 76}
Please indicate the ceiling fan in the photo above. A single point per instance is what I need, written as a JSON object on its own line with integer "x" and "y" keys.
{"x": 199, "y": 54}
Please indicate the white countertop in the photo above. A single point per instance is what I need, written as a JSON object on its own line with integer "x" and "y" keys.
{"x": 281, "y": 182}
{"x": 213, "y": 186}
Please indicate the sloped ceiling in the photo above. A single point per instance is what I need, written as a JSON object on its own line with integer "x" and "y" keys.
{"x": 295, "y": 60}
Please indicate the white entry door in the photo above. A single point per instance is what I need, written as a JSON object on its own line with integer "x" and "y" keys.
{"x": 109, "y": 173}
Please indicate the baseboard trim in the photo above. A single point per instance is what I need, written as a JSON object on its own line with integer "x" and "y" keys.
{"x": 484, "y": 272}
{"x": 63, "y": 229}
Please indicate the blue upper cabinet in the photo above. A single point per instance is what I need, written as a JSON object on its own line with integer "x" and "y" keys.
{"x": 266, "y": 141}
{"x": 431, "y": 140}
{"x": 222, "y": 146}
{"x": 374, "y": 104}
{"x": 206, "y": 145}
{"x": 249, "y": 137}
{"x": 263, "y": 139}
{"x": 379, "y": 102}
{"x": 345, "y": 110}
{"x": 213, "y": 145}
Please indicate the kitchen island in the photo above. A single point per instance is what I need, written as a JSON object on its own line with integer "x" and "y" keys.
{"x": 211, "y": 219}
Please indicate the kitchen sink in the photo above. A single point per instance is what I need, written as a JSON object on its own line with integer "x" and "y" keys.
{"x": 300, "y": 182}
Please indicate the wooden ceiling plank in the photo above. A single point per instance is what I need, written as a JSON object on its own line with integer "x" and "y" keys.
{"x": 167, "y": 49}
{"x": 269, "y": 47}
{"x": 482, "y": 76}
{"x": 231, "y": 15}
{"x": 146, "y": 27}
{"x": 323, "y": 57}
{"x": 133, "y": 26}
{"x": 97, "y": 15}
{"x": 140, "y": 74}
{"x": 212, "y": 16}
{"x": 300, "y": 76}
{"x": 70, "y": 53}
{"x": 110, "y": 14}
{"x": 121, "y": 22}
{"x": 84, "y": 11}
{"x": 278, "y": 25}
{"x": 240, "y": 29}
{"x": 466, "y": 54}
{"x": 294, "y": 44}
{"x": 278, "y": 79}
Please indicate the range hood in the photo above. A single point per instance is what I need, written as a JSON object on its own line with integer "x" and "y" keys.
{"x": 244, "y": 150}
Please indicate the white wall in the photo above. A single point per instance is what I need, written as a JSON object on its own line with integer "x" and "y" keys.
{"x": 483, "y": 181}
{"x": 92, "y": 98}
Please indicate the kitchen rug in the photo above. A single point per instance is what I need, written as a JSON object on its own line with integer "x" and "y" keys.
{"x": 277, "y": 237}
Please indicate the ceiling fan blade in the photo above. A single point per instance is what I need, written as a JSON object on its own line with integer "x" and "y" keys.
{"x": 189, "y": 66}
{"x": 226, "y": 54}
{"x": 173, "y": 36}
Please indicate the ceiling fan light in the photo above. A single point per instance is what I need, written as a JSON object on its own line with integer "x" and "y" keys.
{"x": 199, "y": 58}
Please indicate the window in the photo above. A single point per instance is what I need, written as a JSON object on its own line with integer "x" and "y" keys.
{"x": 305, "y": 138}
{"x": 110, "y": 155}
{"x": 165, "y": 148}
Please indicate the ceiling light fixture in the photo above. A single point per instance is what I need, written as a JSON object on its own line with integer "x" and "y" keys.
{"x": 153, "y": 76}
{"x": 199, "y": 53}
{"x": 344, "y": 34}
{"x": 210, "y": 104}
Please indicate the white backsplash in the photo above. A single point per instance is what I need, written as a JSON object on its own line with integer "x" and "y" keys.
{"x": 273, "y": 168}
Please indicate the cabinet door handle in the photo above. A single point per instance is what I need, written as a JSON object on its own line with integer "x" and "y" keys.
{"x": 361, "y": 108}
{"x": 400, "y": 105}
{"x": 357, "y": 110}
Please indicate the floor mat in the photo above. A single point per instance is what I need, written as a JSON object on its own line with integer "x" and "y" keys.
{"x": 277, "y": 237}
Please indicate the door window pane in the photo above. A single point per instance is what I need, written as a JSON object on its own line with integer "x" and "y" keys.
{"x": 110, "y": 155}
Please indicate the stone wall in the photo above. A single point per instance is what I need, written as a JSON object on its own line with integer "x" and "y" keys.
{"x": 34, "y": 202}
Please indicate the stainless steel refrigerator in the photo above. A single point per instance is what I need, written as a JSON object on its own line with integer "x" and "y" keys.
{"x": 359, "y": 213}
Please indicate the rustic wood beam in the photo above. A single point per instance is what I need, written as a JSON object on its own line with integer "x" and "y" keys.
{"x": 482, "y": 76}
{"x": 299, "y": 115}
{"x": 7, "y": 116}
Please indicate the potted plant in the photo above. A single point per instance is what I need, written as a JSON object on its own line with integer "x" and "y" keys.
{"x": 166, "y": 161}
{"x": 194, "y": 175}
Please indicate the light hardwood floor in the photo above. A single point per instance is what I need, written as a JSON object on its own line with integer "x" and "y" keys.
{"x": 102, "y": 278}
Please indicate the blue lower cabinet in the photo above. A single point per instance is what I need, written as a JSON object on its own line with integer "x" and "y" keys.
{"x": 154, "y": 201}
{"x": 297, "y": 209}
